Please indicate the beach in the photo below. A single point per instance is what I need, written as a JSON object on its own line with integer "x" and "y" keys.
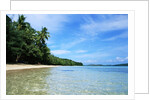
{"x": 27, "y": 66}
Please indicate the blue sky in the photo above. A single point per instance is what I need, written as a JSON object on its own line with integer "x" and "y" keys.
{"x": 87, "y": 38}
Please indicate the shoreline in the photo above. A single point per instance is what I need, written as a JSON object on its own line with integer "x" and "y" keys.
{"x": 27, "y": 66}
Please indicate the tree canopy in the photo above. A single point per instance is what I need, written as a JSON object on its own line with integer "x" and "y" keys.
{"x": 24, "y": 44}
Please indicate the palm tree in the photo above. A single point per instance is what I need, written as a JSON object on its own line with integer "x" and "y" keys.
{"x": 21, "y": 22}
{"x": 43, "y": 35}
{"x": 21, "y": 26}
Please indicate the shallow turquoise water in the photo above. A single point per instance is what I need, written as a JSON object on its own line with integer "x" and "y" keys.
{"x": 69, "y": 80}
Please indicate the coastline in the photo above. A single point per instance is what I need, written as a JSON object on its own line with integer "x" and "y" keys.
{"x": 27, "y": 66}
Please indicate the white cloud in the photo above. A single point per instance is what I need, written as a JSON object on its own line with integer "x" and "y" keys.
{"x": 71, "y": 44}
{"x": 92, "y": 55}
{"x": 123, "y": 35}
{"x": 81, "y": 51}
{"x": 121, "y": 59}
{"x": 59, "y": 52}
{"x": 118, "y": 59}
{"x": 93, "y": 27}
{"x": 50, "y": 42}
{"x": 90, "y": 61}
{"x": 52, "y": 46}
{"x": 53, "y": 22}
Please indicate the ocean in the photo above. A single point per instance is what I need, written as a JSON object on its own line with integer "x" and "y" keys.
{"x": 69, "y": 80}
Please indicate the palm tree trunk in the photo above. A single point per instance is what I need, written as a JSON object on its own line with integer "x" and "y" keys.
{"x": 18, "y": 56}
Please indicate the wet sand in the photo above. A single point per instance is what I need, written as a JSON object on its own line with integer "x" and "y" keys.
{"x": 27, "y": 66}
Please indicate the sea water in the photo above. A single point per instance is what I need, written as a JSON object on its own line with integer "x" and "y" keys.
{"x": 69, "y": 80}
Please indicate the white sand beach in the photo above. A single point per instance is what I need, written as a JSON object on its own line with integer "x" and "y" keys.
{"x": 27, "y": 66}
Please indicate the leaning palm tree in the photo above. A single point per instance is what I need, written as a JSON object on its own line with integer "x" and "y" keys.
{"x": 43, "y": 35}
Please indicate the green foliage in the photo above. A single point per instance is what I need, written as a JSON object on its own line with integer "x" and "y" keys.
{"x": 126, "y": 64}
{"x": 26, "y": 45}
{"x": 65, "y": 62}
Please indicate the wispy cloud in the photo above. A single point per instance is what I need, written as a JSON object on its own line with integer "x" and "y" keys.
{"x": 81, "y": 51}
{"x": 121, "y": 59}
{"x": 93, "y": 27}
{"x": 123, "y": 35}
{"x": 73, "y": 43}
{"x": 49, "y": 42}
{"x": 92, "y": 55}
{"x": 118, "y": 59}
{"x": 59, "y": 52}
{"x": 52, "y": 46}
{"x": 53, "y": 22}
{"x": 90, "y": 61}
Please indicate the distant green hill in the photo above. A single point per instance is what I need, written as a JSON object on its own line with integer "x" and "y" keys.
{"x": 95, "y": 65}
{"x": 126, "y": 64}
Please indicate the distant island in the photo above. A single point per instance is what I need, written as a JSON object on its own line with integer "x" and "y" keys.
{"x": 125, "y": 64}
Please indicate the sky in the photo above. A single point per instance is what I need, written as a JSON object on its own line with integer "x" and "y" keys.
{"x": 87, "y": 38}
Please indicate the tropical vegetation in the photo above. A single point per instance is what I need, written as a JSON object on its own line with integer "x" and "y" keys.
{"x": 24, "y": 44}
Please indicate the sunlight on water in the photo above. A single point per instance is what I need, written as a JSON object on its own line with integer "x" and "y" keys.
{"x": 69, "y": 80}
